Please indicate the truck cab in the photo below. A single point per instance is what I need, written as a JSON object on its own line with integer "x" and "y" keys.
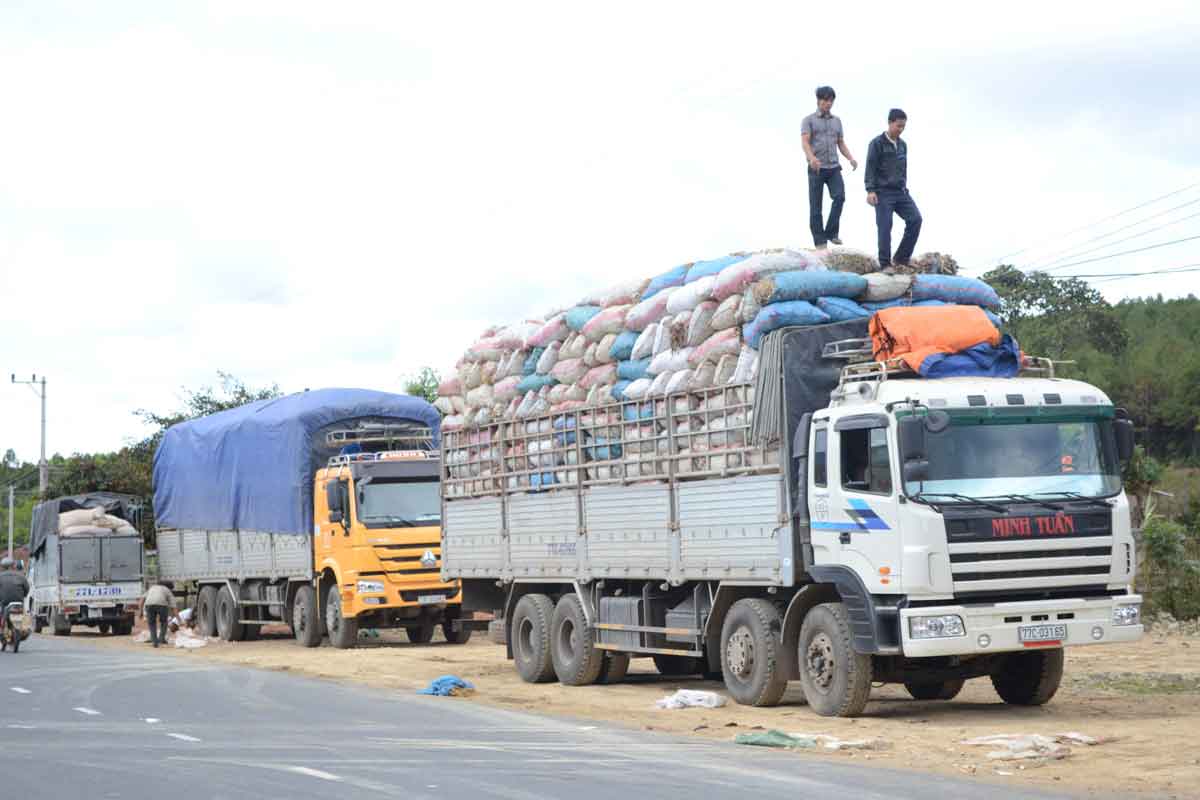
{"x": 377, "y": 538}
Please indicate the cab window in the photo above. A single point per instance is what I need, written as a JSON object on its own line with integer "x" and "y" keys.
{"x": 820, "y": 457}
{"x": 865, "y": 463}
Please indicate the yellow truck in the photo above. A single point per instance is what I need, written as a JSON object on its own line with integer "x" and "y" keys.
{"x": 320, "y": 509}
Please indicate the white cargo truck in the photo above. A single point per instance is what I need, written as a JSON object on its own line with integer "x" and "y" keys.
{"x": 839, "y": 521}
{"x": 84, "y": 574}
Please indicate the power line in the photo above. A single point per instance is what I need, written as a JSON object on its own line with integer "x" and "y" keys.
{"x": 1120, "y": 276}
{"x": 1057, "y": 265}
{"x": 1129, "y": 252}
{"x": 1071, "y": 252}
{"x": 997, "y": 261}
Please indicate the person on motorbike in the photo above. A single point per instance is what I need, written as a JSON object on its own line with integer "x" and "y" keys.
{"x": 13, "y": 586}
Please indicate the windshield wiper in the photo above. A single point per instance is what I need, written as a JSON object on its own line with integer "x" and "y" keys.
{"x": 402, "y": 522}
{"x": 1096, "y": 501}
{"x": 962, "y": 498}
{"x": 1024, "y": 498}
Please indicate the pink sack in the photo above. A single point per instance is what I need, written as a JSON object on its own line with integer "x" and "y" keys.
{"x": 569, "y": 370}
{"x": 555, "y": 330}
{"x": 648, "y": 311}
{"x": 721, "y": 343}
{"x": 610, "y": 320}
{"x": 606, "y": 373}
{"x": 450, "y": 387}
{"x": 504, "y": 391}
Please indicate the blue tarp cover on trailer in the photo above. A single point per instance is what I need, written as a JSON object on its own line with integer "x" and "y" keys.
{"x": 252, "y": 467}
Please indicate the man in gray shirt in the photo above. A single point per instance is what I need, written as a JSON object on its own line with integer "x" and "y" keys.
{"x": 821, "y": 136}
{"x": 156, "y": 606}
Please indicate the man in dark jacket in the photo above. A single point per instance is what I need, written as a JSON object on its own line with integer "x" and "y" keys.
{"x": 13, "y": 586}
{"x": 886, "y": 180}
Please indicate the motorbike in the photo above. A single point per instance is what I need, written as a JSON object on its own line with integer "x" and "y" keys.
{"x": 14, "y": 627}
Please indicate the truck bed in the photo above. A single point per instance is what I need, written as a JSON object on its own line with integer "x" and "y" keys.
{"x": 667, "y": 488}
{"x": 193, "y": 554}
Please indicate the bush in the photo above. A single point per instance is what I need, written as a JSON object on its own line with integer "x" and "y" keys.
{"x": 1171, "y": 568}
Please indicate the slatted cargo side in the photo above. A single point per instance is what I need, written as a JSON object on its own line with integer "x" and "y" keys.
{"x": 235, "y": 555}
{"x": 543, "y": 534}
{"x": 734, "y": 529}
{"x": 472, "y": 540}
{"x": 628, "y": 531}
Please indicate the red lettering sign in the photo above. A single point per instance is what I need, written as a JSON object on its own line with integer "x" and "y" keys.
{"x": 1023, "y": 527}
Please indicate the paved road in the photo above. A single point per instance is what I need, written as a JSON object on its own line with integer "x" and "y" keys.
{"x": 77, "y": 721}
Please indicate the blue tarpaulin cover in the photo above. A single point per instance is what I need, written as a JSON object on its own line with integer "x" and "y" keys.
{"x": 252, "y": 467}
{"x": 982, "y": 360}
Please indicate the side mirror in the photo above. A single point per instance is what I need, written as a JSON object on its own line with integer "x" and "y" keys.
{"x": 1124, "y": 431}
{"x": 333, "y": 498}
{"x": 335, "y": 516}
{"x": 916, "y": 471}
{"x": 911, "y": 433}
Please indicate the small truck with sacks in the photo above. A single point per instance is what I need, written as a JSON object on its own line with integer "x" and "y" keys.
{"x": 840, "y": 520}
{"x": 318, "y": 509}
{"x": 86, "y": 563}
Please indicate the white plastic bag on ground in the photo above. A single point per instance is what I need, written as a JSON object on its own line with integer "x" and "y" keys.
{"x": 187, "y": 640}
{"x": 691, "y": 698}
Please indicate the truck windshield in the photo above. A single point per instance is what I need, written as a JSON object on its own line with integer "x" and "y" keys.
{"x": 1037, "y": 459}
{"x": 400, "y": 501}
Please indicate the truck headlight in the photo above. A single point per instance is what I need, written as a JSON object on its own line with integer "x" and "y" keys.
{"x": 1130, "y": 614}
{"x": 370, "y": 587}
{"x": 942, "y": 627}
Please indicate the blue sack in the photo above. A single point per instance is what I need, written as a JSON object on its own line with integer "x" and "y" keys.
{"x": 805, "y": 285}
{"x": 445, "y": 686}
{"x": 779, "y": 315}
{"x": 542, "y": 480}
{"x": 632, "y": 370}
{"x": 702, "y": 269}
{"x": 604, "y": 451}
{"x": 638, "y": 411}
{"x": 982, "y": 360}
{"x": 672, "y": 277}
{"x": 622, "y": 348}
{"x": 532, "y": 383}
{"x": 579, "y": 316}
{"x": 564, "y": 424}
{"x": 840, "y": 309}
{"x": 618, "y": 390}
{"x": 956, "y": 289}
{"x": 530, "y": 365}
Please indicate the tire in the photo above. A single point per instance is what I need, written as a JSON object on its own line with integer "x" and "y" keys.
{"x": 750, "y": 650}
{"x": 836, "y": 680}
{"x": 39, "y": 622}
{"x": 62, "y": 625}
{"x": 573, "y": 651}
{"x": 206, "y": 611}
{"x": 227, "y": 617}
{"x": 1028, "y": 679}
{"x": 613, "y": 668}
{"x": 946, "y": 690}
{"x": 455, "y": 636}
{"x": 678, "y": 666}
{"x": 122, "y": 627}
{"x": 306, "y": 622}
{"x": 420, "y": 634}
{"x": 531, "y": 638}
{"x": 343, "y": 633}
{"x": 105, "y": 629}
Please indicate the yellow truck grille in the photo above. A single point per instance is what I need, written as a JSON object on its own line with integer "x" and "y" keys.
{"x": 405, "y": 562}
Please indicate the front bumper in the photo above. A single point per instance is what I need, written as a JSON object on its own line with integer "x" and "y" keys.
{"x": 998, "y": 622}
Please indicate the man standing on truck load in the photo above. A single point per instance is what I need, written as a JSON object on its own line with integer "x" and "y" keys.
{"x": 821, "y": 136}
{"x": 156, "y": 606}
{"x": 886, "y": 180}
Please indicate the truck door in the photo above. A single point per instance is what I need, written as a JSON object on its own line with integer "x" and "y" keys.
{"x": 826, "y": 540}
{"x": 121, "y": 559}
{"x": 863, "y": 505}
{"x": 80, "y": 559}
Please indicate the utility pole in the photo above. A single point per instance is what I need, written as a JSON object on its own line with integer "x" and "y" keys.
{"x": 10, "y": 519}
{"x": 43, "y": 465}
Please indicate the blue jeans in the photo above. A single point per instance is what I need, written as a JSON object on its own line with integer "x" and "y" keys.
{"x": 817, "y": 181}
{"x": 899, "y": 202}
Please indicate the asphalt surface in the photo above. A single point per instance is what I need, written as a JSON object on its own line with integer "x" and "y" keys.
{"x": 80, "y": 721}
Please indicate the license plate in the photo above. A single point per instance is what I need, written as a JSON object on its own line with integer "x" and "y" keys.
{"x": 431, "y": 599}
{"x": 1042, "y": 633}
{"x": 95, "y": 612}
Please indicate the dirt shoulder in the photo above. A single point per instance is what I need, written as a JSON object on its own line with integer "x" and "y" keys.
{"x": 1142, "y": 699}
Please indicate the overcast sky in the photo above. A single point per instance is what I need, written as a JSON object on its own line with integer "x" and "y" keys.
{"x": 317, "y": 194}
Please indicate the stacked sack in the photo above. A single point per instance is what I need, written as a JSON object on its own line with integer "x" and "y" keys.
{"x": 92, "y": 522}
{"x": 695, "y": 327}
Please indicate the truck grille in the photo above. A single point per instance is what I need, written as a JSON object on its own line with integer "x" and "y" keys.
{"x": 402, "y": 562}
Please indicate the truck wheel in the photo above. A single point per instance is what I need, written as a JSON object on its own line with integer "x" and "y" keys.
{"x": 420, "y": 634}
{"x": 945, "y": 690}
{"x": 678, "y": 666}
{"x": 343, "y": 633}
{"x": 836, "y": 680}
{"x": 573, "y": 653}
{"x": 454, "y": 635}
{"x": 613, "y": 668}
{"x": 750, "y": 653}
{"x": 62, "y": 625}
{"x": 104, "y": 628}
{"x": 305, "y": 620}
{"x": 39, "y": 622}
{"x": 531, "y": 638}
{"x": 227, "y": 617}
{"x": 206, "y": 611}
{"x": 123, "y": 628}
{"x": 1028, "y": 679}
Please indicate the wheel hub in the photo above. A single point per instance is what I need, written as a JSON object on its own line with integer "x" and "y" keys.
{"x": 739, "y": 653}
{"x": 819, "y": 661}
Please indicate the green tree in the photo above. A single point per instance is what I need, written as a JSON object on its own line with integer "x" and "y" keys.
{"x": 1055, "y": 316}
{"x": 424, "y": 384}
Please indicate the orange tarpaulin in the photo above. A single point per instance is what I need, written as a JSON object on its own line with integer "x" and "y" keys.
{"x": 915, "y": 332}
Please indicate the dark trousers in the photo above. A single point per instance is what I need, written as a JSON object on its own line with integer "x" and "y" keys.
{"x": 156, "y": 618}
{"x": 899, "y": 202}
{"x": 817, "y": 181}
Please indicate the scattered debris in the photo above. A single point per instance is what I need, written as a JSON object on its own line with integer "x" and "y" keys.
{"x": 142, "y": 637}
{"x": 1020, "y": 746}
{"x": 187, "y": 640}
{"x": 691, "y": 698}
{"x": 448, "y": 686}
{"x": 808, "y": 741}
